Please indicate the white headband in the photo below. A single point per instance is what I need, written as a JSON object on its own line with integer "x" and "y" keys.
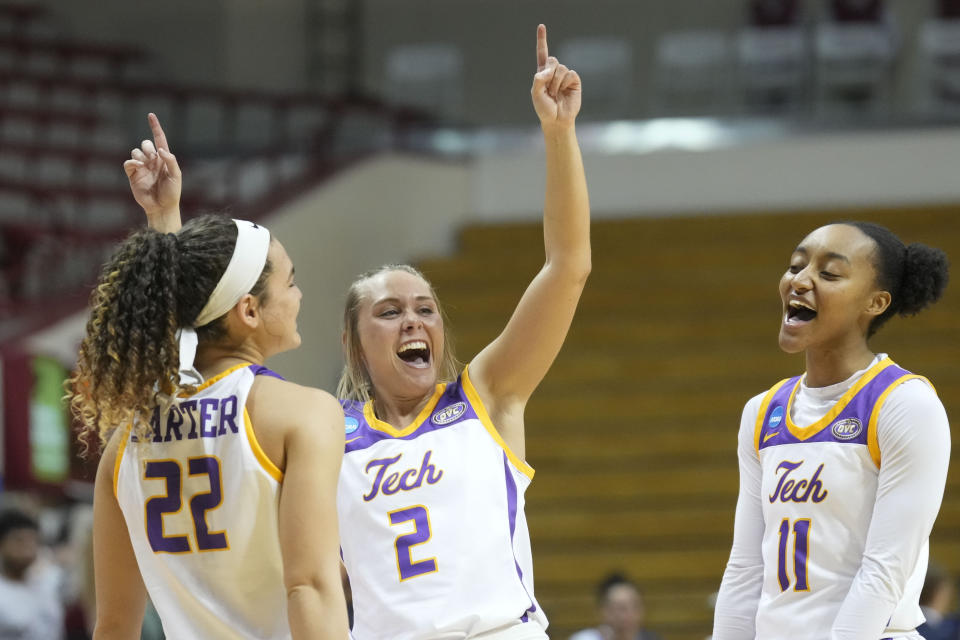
{"x": 246, "y": 264}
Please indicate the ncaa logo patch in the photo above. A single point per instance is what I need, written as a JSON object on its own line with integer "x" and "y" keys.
{"x": 847, "y": 429}
{"x": 449, "y": 414}
{"x": 350, "y": 424}
{"x": 775, "y": 417}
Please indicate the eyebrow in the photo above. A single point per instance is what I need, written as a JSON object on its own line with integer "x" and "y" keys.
{"x": 397, "y": 300}
{"x": 831, "y": 255}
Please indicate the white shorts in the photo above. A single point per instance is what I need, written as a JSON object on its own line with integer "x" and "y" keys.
{"x": 514, "y": 631}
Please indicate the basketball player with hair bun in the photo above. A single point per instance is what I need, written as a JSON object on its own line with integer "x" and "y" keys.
{"x": 216, "y": 492}
{"x": 842, "y": 469}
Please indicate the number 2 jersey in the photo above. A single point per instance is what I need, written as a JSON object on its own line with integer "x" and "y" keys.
{"x": 840, "y": 487}
{"x": 432, "y": 528}
{"x": 200, "y": 501}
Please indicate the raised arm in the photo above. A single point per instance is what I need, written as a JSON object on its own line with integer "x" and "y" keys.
{"x": 155, "y": 180}
{"x": 508, "y": 370}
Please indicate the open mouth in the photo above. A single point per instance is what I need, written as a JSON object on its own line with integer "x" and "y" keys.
{"x": 798, "y": 312}
{"x": 415, "y": 353}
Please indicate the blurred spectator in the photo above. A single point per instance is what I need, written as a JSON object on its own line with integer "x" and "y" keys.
{"x": 622, "y": 611}
{"x": 30, "y": 606}
{"x": 936, "y": 602}
{"x": 857, "y": 10}
{"x": 774, "y": 13}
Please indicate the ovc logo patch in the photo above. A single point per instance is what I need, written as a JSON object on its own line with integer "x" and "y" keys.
{"x": 847, "y": 429}
{"x": 449, "y": 414}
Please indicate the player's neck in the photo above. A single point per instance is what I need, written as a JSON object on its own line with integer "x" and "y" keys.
{"x": 399, "y": 412}
{"x": 213, "y": 360}
{"x": 831, "y": 366}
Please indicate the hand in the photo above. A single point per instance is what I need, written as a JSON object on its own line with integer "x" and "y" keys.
{"x": 556, "y": 89}
{"x": 154, "y": 175}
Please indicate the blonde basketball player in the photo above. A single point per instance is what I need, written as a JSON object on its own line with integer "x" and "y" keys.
{"x": 434, "y": 474}
{"x": 842, "y": 470}
{"x": 216, "y": 491}
{"x": 430, "y": 500}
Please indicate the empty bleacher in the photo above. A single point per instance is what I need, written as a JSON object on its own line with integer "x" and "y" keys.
{"x": 633, "y": 432}
{"x": 71, "y": 110}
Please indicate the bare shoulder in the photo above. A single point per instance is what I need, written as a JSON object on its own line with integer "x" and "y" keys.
{"x": 277, "y": 402}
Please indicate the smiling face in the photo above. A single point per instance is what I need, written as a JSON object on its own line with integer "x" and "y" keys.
{"x": 401, "y": 334}
{"x": 830, "y": 291}
{"x": 281, "y": 304}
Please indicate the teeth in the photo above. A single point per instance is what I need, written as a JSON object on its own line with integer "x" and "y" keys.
{"x": 796, "y": 304}
{"x": 418, "y": 344}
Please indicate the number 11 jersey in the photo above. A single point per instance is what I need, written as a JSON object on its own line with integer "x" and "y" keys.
{"x": 818, "y": 492}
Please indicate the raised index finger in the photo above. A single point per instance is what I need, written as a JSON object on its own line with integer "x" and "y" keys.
{"x": 541, "y": 47}
{"x": 159, "y": 138}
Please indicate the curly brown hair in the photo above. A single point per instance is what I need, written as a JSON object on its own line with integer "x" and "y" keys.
{"x": 153, "y": 284}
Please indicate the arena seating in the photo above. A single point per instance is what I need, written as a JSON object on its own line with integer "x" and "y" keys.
{"x": 633, "y": 432}
{"x": 71, "y": 110}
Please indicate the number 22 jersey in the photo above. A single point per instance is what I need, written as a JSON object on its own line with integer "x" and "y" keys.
{"x": 200, "y": 501}
{"x": 432, "y": 528}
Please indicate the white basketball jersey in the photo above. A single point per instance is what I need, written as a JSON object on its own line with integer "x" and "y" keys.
{"x": 200, "y": 501}
{"x": 818, "y": 491}
{"x": 432, "y": 528}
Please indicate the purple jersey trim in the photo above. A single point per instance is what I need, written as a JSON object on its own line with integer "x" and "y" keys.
{"x": 452, "y": 408}
{"x": 260, "y": 370}
{"x": 849, "y": 427}
{"x": 511, "y": 500}
{"x": 512, "y": 518}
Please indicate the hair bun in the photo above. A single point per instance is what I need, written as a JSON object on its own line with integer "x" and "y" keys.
{"x": 925, "y": 276}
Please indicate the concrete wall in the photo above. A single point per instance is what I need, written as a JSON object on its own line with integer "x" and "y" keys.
{"x": 806, "y": 172}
